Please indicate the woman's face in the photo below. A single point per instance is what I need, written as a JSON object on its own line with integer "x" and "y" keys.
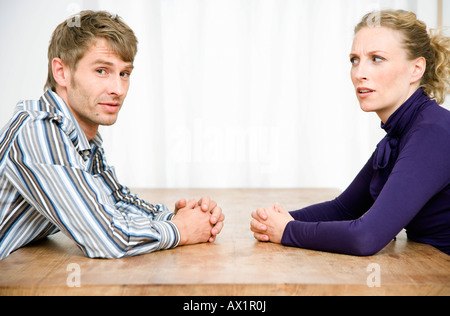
{"x": 381, "y": 73}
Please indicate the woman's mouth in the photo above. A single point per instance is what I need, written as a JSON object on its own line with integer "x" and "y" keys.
{"x": 364, "y": 92}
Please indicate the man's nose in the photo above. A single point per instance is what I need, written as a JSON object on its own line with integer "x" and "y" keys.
{"x": 116, "y": 86}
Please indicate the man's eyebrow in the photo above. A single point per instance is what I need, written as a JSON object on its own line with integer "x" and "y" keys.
{"x": 108, "y": 63}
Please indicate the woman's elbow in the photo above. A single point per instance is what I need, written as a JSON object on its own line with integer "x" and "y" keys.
{"x": 366, "y": 244}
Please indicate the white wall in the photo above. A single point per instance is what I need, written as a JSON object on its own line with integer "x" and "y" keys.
{"x": 225, "y": 93}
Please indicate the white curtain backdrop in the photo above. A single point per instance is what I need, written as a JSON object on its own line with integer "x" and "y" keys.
{"x": 225, "y": 93}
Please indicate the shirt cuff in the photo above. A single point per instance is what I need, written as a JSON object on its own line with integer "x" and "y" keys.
{"x": 288, "y": 237}
{"x": 163, "y": 213}
{"x": 170, "y": 236}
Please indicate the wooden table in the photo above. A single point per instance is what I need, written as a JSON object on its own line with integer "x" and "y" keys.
{"x": 236, "y": 264}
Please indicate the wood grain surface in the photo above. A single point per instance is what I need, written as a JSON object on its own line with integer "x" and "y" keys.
{"x": 236, "y": 264}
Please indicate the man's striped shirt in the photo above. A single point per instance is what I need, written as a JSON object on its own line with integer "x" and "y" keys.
{"x": 52, "y": 179}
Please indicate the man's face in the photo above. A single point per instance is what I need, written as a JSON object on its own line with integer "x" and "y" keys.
{"x": 98, "y": 87}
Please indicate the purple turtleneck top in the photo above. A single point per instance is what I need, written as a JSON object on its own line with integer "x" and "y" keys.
{"x": 405, "y": 184}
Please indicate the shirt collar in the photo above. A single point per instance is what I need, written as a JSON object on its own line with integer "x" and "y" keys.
{"x": 396, "y": 126}
{"x": 398, "y": 122}
{"x": 75, "y": 131}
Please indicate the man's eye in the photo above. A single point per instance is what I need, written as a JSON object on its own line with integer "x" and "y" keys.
{"x": 101, "y": 71}
{"x": 125, "y": 74}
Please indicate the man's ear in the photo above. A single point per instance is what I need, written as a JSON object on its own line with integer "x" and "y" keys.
{"x": 61, "y": 72}
{"x": 419, "y": 65}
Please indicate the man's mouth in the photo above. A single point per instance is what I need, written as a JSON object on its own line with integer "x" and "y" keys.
{"x": 110, "y": 103}
{"x": 111, "y": 107}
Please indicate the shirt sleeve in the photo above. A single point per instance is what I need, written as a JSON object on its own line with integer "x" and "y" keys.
{"x": 105, "y": 221}
{"x": 422, "y": 170}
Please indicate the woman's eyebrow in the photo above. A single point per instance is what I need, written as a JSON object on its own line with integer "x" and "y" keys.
{"x": 372, "y": 52}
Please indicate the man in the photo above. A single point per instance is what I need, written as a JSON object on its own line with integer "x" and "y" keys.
{"x": 53, "y": 171}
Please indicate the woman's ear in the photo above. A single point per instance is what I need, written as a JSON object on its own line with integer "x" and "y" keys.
{"x": 61, "y": 72}
{"x": 419, "y": 65}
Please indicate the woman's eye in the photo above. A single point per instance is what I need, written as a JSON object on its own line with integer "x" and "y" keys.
{"x": 353, "y": 60}
{"x": 377, "y": 59}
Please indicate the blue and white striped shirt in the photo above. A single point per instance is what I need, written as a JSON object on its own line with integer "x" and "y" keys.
{"x": 52, "y": 179}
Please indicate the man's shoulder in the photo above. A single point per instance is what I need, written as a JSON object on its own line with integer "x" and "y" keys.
{"x": 33, "y": 110}
{"x": 40, "y": 112}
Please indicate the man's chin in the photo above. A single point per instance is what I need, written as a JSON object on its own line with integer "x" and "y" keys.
{"x": 107, "y": 121}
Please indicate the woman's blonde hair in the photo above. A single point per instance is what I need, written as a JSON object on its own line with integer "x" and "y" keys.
{"x": 433, "y": 46}
{"x": 73, "y": 37}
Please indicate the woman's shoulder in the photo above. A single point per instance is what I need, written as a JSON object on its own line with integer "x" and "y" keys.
{"x": 433, "y": 121}
{"x": 429, "y": 137}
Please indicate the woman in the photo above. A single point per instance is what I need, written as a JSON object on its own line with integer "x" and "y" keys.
{"x": 400, "y": 72}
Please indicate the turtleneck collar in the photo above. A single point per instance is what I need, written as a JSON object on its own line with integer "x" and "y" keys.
{"x": 388, "y": 148}
{"x": 398, "y": 122}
